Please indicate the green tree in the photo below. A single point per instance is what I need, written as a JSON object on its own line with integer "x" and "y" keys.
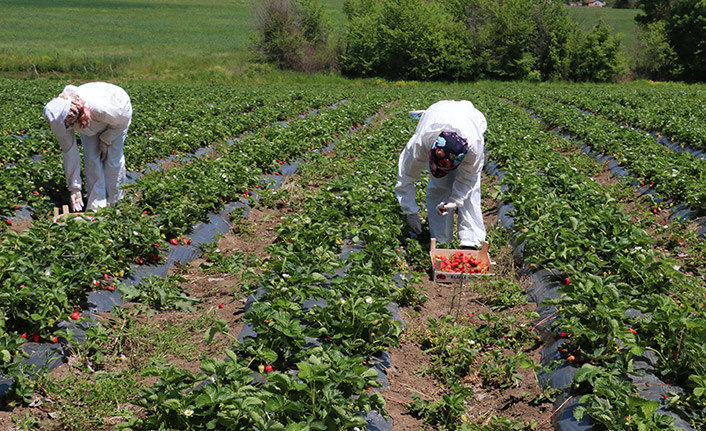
{"x": 597, "y": 57}
{"x": 657, "y": 58}
{"x": 554, "y": 38}
{"x": 686, "y": 27}
{"x": 406, "y": 39}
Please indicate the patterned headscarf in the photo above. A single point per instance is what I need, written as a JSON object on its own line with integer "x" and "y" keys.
{"x": 79, "y": 112}
{"x": 447, "y": 152}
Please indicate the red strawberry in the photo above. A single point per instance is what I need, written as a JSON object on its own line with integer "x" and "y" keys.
{"x": 220, "y": 305}
{"x": 9, "y": 223}
{"x": 35, "y": 337}
{"x": 174, "y": 241}
{"x": 269, "y": 368}
{"x": 567, "y": 280}
{"x": 655, "y": 210}
{"x": 563, "y": 334}
{"x": 55, "y": 339}
{"x": 156, "y": 244}
{"x": 24, "y": 335}
{"x": 75, "y": 315}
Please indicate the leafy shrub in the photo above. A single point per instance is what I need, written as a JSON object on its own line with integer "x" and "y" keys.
{"x": 404, "y": 39}
{"x": 293, "y": 34}
{"x": 657, "y": 59}
{"x": 597, "y": 57}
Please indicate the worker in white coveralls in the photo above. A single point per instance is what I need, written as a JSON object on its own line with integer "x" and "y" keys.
{"x": 449, "y": 141}
{"x": 101, "y": 113}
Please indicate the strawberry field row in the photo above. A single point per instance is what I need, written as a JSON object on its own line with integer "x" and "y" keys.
{"x": 676, "y": 112}
{"x": 47, "y": 270}
{"x": 325, "y": 383}
{"x": 620, "y": 302}
{"x": 676, "y": 175}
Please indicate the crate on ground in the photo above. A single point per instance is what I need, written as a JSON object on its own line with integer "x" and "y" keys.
{"x": 446, "y": 275}
{"x": 59, "y": 213}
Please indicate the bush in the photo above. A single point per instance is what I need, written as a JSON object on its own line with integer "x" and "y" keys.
{"x": 293, "y": 34}
{"x": 685, "y": 28}
{"x": 597, "y": 58}
{"x": 657, "y": 59}
{"x": 403, "y": 39}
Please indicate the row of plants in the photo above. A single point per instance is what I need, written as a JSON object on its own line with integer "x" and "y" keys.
{"x": 281, "y": 379}
{"x": 674, "y": 111}
{"x": 167, "y": 120}
{"x": 678, "y": 176}
{"x": 48, "y": 268}
{"x": 606, "y": 266}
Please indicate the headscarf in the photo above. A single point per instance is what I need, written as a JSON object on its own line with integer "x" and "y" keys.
{"x": 447, "y": 152}
{"x": 78, "y": 111}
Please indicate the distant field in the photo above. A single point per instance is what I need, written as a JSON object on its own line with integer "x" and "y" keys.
{"x": 144, "y": 37}
{"x": 620, "y": 20}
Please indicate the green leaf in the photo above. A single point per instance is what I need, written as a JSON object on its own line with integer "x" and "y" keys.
{"x": 585, "y": 372}
{"x": 212, "y": 331}
{"x": 579, "y": 412}
{"x": 305, "y": 370}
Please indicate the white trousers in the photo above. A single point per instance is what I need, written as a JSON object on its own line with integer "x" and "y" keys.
{"x": 471, "y": 230}
{"x": 103, "y": 178}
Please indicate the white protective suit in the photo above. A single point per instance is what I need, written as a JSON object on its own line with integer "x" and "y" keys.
{"x": 461, "y": 186}
{"x": 111, "y": 114}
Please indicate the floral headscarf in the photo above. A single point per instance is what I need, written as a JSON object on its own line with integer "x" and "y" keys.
{"x": 447, "y": 152}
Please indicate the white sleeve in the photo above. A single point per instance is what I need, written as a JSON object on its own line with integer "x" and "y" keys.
{"x": 71, "y": 157}
{"x": 412, "y": 162}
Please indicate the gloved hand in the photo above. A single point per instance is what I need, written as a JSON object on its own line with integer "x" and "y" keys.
{"x": 445, "y": 207}
{"x": 76, "y": 200}
{"x": 103, "y": 150}
{"x": 414, "y": 223}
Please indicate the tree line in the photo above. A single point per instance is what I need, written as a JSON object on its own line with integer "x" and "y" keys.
{"x": 468, "y": 40}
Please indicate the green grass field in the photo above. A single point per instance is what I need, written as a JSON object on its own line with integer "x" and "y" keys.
{"x": 165, "y": 37}
{"x": 620, "y": 21}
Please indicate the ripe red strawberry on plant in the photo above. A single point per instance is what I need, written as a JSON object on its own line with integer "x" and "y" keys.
{"x": 174, "y": 241}
{"x": 75, "y": 315}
